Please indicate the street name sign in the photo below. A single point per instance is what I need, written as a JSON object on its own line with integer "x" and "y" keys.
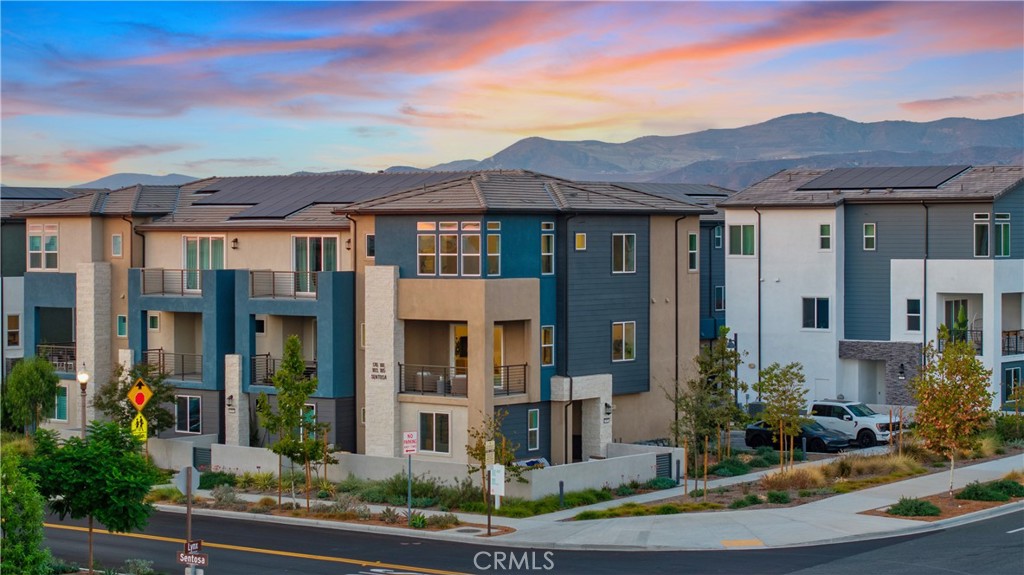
{"x": 194, "y": 546}
{"x": 197, "y": 559}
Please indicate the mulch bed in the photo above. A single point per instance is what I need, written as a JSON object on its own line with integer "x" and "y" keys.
{"x": 948, "y": 507}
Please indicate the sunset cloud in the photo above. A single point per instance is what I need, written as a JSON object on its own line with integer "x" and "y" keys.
{"x": 953, "y": 103}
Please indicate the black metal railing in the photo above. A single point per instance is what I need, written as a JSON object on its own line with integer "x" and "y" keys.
{"x": 1013, "y": 342}
{"x": 156, "y": 281}
{"x": 264, "y": 367}
{"x": 61, "y": 355}
{"x": 972, "y": 336}
{"x": 433, "y": 379}
{"x": 183, "y": 366}
{"x": 266, "y": 283}
{"x": 510, "y": 379}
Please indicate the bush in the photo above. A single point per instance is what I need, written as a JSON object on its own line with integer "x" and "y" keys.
{"x": 138, "y": 567}
{"x": 747, "y": 501}
{"x": 246, "y": 480}
{"x": 389, "y": 515}
{"x": 910, "y": 507}
{"x": 473, "y": 507}
{"x": 212, "y": 479}
{"x": 264, "y": 481}
{"x": 981, "y": 492}
{"x": 363, "y": 512}
{"x": 224, "y": 496}
{"x": 165, "y": 494}
{"x": 343, "y": 503}
{"x": 352, "y": 484}
{"x": 730, "y": 467}
{"x": 800, "y": 478}
{"x": 778, "y": 497}
{"x": 759, "y": 462}
{"x": 660, "y": 483}
{"x": 624, "y": 491}
{"x": 1009, "y": 487}
{"x": 456, "y": 496}
{"x": 264, "y": 505}
{"x": 697, "y": 493}
{"x": 60, "y": 567}
{"x": 989, "y": 444}
{"x": 443, "y": 521}
{"x": 1010, "y": 427}
{"x": 861, "y": 465}
{"x": 416, "y": 519}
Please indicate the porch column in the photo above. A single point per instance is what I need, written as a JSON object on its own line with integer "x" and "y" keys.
{"x": 236, "y": 403}
{"x": 481, "y": 371}
{"x": 92, "y": 327}
{"x": 385, "y": 348}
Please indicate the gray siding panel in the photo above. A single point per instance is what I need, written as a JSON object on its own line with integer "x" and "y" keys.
{"x": 712, "y": 273}
{"x": 1013, "y": 203}
{"x": 515, "y": 429}
{"x": 951, "y": 230}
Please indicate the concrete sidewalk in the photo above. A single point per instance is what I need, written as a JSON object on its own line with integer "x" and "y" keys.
{"x": 833, "y": 519}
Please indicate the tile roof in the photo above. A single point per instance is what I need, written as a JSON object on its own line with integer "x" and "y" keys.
{"x": 137, "y": 200}
{"x": 28, "y": 193}
{"x": 783, "y": 189}
{"x": 706, "y": 195}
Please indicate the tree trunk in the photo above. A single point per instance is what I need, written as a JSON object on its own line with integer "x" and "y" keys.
{"x": 90, "y": 545}
{"x": 952, "y": 463}
{"x": 307, "y": 485}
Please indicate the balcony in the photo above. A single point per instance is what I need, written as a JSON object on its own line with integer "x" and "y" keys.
{"x": 433, "y": 380}
{"x": 510, "y": 379}
{"x": 182, "y": 366}
{"x": 160, "y": 281}
{"x": 1013, "y": 342}
{"x": 972, "y": 336}
{"x": 61, "y": 355}
{"x": 290, "y": 285}
{"x": 264, "y": 367}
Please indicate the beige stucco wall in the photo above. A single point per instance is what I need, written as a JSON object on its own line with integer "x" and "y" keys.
{"x": 119, "y": 275}
{"x": 257, "y": 249}
{"x": 361, "y": 226}
{"x": 458, "y": 426}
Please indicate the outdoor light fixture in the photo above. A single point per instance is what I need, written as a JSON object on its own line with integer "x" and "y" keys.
{"x": 608, "y": 408}
{"x": 234, "y": 243}
{"x": 230, "y": 401}
{"x": 903, "y": 373}
{"x": 348, "y": 244}
{"x": 83, "y": 381}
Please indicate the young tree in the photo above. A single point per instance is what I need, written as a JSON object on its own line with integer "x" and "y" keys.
{"x": 103, "y": 477}
{"x": 21, "y": 513}
{"x": 782, "y": 389}
{"x": 953, "y": 399}
{"x": 112, "y": 398}
{"x": 504, "y": 451}
{"x": 31, "y": 390}
{"x": 298, "y": 434}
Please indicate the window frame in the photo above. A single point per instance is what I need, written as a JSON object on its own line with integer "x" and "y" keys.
{"x": 448, "y": 257}
{"x": 532, "y": 429}
{"x": 825, "y": 237}
{"x": 628, "y": 255}
{"x": 547, "y": 344}
{"x": 188, "y": 409}
{"x": 816, "y": 318}
{"x": 982, "y": 233}
{"x": 547, "y": 254}
{"x": 57, "y": 402}
{"x": 493, "y": 257}
{"x": 716, "y": 234}
{"x": 370, "y": 246}
{"x": 742, "y": 233}
{"x": 120, "y": 321}
{"x": 912, "y": 316}
{"x": 193, "y": 276}
{"x": 424, "y": 256}
{"x": 627, "y": 328}
{"x": 116, "y": 246}
{"x": 873, "y": 237}
{"x": 150, "y": 317}
{"x": 692, "y": 252}
{"x": 1003, "y": 237}
{"x": 16, "y": 331}
{"x": 468, "y": 257}
{"x": 256, "y": 321}
{"x": 43, "y": 232}
{"x": 434, "y": 428}
{"x": 719, "y": 298}
{"x": 1011, "y": 381}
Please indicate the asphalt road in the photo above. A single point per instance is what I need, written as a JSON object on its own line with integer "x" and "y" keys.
{"x": 991, "y": 547}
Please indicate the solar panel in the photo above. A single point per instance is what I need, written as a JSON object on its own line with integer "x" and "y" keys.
{"x": 916, "y": 177}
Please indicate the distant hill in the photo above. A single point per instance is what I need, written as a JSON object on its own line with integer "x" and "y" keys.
{"x": 120, "y": 180}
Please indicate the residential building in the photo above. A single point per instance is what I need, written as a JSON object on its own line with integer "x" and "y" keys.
{"x": 851, "y": 272}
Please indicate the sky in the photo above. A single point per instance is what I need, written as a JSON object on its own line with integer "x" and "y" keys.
{"x": 244, "y": 88}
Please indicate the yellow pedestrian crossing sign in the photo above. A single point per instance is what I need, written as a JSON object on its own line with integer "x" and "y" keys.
{"x": 139, "y": 394}
{"x": 140, "y": 427}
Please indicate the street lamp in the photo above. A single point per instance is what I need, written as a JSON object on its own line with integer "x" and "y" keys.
{"x": 83, "y": 381}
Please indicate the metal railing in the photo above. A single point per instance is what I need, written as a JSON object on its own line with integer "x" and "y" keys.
{"x": 972, "y": 336}
{"x": 61, "y": 355}
{"x": 175, "y": 282}
{"x": 183, "y": 366}
{"x": 1013, "y": 342}
{"x": 510, "y": 379}
{"x": 264, "y": 367}
{"x": 266, "y": 283}
{"x": 9, "y": 363}
{"x": 433, "y": 379}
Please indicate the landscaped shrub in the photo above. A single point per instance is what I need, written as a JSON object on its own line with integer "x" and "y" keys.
{"x": 637, "y": 510}
{"x": 343, "y": 503}
{"x": 799, "y": 478}
{"x": 981, "y": 492}
{"x": 778, "y": 497}
{"x": 659, "y": 483}
{"x": 911, "y": 507}
{"x": 457, "y": 495}
{"x": 211, "y": 479}
{"x": 883, "y": 464}
{"x": 352, "y": 484}
{"x": 170, "y": 494}
{"x": 624, "y": 491}
{"x": 416, "y": 519}
{"x": 363, "y": 512}
{"x": 225, "y": 496}
{"x": 759, "y": 462}
{"x": 730, "y": 467}
{"x": 1010, "y": 427}
{"x": 989, "y": 444}
{"x": 389, "y": 515}
{"x": 1009, "y": 487}
{"x": 443, "y": 521}
{"x": 473, "y": 507}
{"x": 697, "y": 493}
{"x": 747, "y": 501}
{"x": 60, "y": 567}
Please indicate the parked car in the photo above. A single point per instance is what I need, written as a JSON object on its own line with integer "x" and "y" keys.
{"x": 855, "y": 419}
{"x": 819, "y": 438}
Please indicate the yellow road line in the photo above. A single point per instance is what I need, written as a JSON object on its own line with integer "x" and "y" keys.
{"x": 263, "y": 551}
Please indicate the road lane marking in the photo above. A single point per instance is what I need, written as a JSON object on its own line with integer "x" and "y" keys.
{"x": 207, "y": 544}
{"x": 1015, "y": 530}
{"x": 742, "y": 543}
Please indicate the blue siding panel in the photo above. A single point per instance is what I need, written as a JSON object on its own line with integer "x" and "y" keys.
{"x": 1013, "y": 203}
{"x": 515, "y": 427}
{"x": 951, "y": 230}
{"x": 44, "y": 290}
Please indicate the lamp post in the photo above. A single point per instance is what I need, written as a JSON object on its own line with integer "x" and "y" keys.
{"x": 83, "y": 381}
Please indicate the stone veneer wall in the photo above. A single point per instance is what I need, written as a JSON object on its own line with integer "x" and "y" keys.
{"x": 385, "y": 347}
{"x": 92, "y": 328}
{"x": 893, "y": 353}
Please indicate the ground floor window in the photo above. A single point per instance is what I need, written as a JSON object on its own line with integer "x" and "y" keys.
{"x": 434, "y": 432}
{"x": 60, "y": 408}
{"x": 533, "y": 429}
{"x": 188, "y": 414}
{"x": 1011, "y": 380}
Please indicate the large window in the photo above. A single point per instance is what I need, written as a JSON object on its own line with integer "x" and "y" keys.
{"x": 719, "y": 298}
{"x": 313, "y": 254}
{"x": 815, "y": 312}
{"x": 692, "y": 258}
{"x": 448, "y": 248}
{"x": 913, "y": 315}
{"x": 825, "y": 237}
{"x": 547, "y": 345}
{"x": 188, "y": 414}
{"x": 624, "y": 341}
{"x": 12, "y": 325}
{"x": 533, "y": 429}
{"x": 434, "y": 432}
{"x": 202, "y": 253}
{"x": 60, "y": 408}
{"x": 870, "y": 237}
{"x": 547, "y": 250}
{"x": 1011, "y": 380}
{"x": 42, "y": 247}
{"x": 741, "y": 240}
{"x": 493, "y": 254}
{"x": 470, "y": 254}
{"x": 426, "y": 255}
{"x": 623, "y": 253}
{"x": 1002, "y": 235}
{"x": 980, "y": 235}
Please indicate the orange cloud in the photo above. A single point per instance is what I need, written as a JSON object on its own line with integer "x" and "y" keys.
{"x": 956, "y": 103}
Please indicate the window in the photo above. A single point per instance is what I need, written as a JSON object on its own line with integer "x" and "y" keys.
{"x": 547, "y": 253}
{"x": 870, "y": 234}
{"x": 309, "y": 415}
{"x": 547, "y": 226}
{"x": 816, "y": 312}
{"x": 42, "y": 247}
{"x": 426, "y": 226}
{"x": 448, "y": 226}
{"x": 60, "y": 408}
{"x": 825, "y": 237}
{"x": 449, "y": 252}
{"x": 581, "y": 241}
{"x": 1002, "y": 235}
{"x": 471, "y": 226}
{"x": 187, "y": 414}
{"x": 370, "y": 246}
{"x": 122, "y": 326}
{"x": 719, "y": 298}
{"x": 691, "y": 249}
{"x": 313, "y": 254}
{"x": 1011, "y": 379}
{"x": 741, "y": 240}
{"x": 153, "y": 321}
{"x": 13, "y": 327}
{"x": 434, "y": 432}
{"x": 718, "y": 237}
{"x": 202, "y": 253}
{"x": 116, "y": 245}
{"x": 533, "y": 429}
{"x": 493, "y": 253}
{"x": 547, "y": 345}
{"x": 623, "y": 253}
{"x": 913, "y": 315}
{"x": 494, "y": 226}
{"x": 470, "y": 254}
{"x": 260, "y": 325}
{"x": 426, "y": 255}
{"x": 980, "y": 235}
{"x": 624, "y": 341}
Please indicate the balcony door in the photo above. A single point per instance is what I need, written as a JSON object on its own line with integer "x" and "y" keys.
{"x": 202, "y": 253}
{"x": 313, "y": 254}
{"x": 460, "y": 350}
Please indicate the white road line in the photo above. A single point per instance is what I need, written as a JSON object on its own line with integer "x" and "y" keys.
{"x": 1015, "y": 530}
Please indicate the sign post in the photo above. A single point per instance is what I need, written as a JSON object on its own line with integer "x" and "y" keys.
{"x": 183, "y": 481}
{"x": 488, "y": 464}
{"x": 410, "y": 446}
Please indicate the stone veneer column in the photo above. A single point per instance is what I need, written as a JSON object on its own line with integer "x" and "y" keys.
{"x": 92, "y": 331}
{"x": 236, "y": 417}
{"x": 385, "y": 347}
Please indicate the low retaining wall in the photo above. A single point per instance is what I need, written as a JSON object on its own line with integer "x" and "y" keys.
{"x": 594, "y": 474}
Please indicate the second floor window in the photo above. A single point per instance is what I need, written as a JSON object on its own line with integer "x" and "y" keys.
{"x": 870, "y": 237}
{"x": 202, "y": 253}
{"x": 547, "y": 345}
{"x": 815, "y": 313}
{"x": 314, "y": 254}
{"x": 719, "y": 298}
{"x": 623, "y": 253}
{"x": 1002, "y": 235}
{"x": 981, "y": 235}
{"x": 718, "y": 237}
{"x": 371, "y": 245}
{"x": 547, "y": 253}
{"x": 426, "y": 254}
{"x": 448, "y": 247}
{"x": 624, "y": 341}
{"x": 493, "y": 254}
{"x": 470, "y": 254}
{"x": 741, "y": 240}
{"x": 42, "y": 247}
{"x": 13, "y": 328}
{"x": 825, "y": 237}
{"x": 122, "y": 326}
{"x": 116, "y": 245}
{"x": 913, "y": 315}
{"x": 691, "y": 249}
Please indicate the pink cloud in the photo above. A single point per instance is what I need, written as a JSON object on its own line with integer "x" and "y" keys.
{"x": 77, "y": 165}
{"x": 956, "y": 103}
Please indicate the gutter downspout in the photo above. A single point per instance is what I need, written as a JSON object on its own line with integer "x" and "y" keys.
{"x": 564, "y": 310}
{"x": 142, "y": 263}
{"x": 675, "y": 315}
{"x": 355, "y": 326}
{"x": 924, "y": 294}
{"x": 759, "y": 282}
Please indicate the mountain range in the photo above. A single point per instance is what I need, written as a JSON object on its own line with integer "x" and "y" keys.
{"x": 737, "y": 157}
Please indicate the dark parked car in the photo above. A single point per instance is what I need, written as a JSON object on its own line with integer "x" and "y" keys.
{"x": 818, "y": 438}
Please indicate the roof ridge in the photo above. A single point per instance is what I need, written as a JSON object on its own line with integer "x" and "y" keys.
{"x": 557, "y": 195}
{"x": 475, "y": 182}
{"x": 98, "y": 202}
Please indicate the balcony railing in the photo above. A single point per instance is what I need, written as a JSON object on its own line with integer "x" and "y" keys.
{"x": 174, "y": 282}
{"x": 9, "y": 363}
{"x": 972, "y": 336}
{"x": 266, "y": 283}
{"x": 61, "y": 355}
{"x": 184, "y": 366}
{"x": 1013, "y": 342}
{"x": 264, "y": 367}
{"x": 433, "y": 379}
{"x": 510, "y": 379}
